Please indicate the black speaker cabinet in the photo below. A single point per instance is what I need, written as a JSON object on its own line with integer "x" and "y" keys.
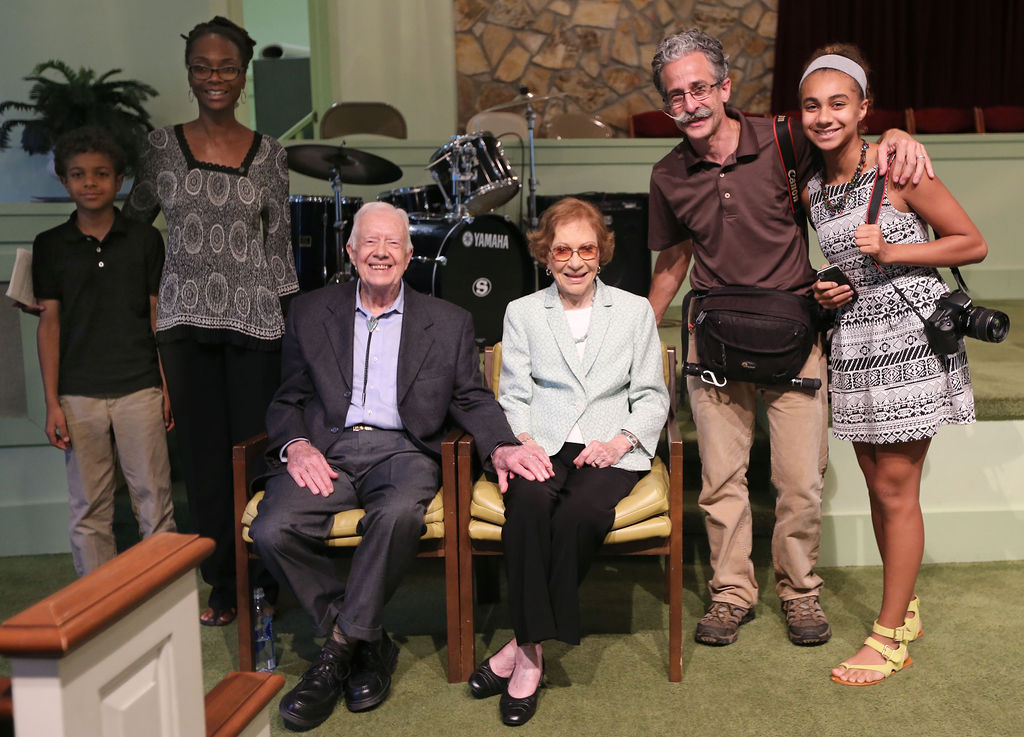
{"x": 625, "y": 214}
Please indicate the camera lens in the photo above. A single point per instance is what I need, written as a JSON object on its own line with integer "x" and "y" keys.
{"x": 987, "y": 324}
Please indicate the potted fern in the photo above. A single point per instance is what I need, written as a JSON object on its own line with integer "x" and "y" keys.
{"x": 80, "y": 98}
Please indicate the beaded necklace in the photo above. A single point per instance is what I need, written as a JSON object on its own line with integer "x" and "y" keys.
{"x": 836, "y": 209}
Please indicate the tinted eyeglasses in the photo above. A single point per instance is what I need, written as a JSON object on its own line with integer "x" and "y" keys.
{"x": 201, "y": 72}
{"x": 587, "y": 252}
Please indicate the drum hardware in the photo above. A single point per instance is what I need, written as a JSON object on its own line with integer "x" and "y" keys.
{"x": 340, "y": 165}
{"x": 528, "y": 99}
{"x": 473, "y": 174}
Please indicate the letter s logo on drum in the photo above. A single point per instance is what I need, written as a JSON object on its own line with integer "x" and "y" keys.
{"x": 482, "y": 287}
{"x": 467, "y": 239}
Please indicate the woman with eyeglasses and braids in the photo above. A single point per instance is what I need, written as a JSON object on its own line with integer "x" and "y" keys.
{"x": 582, "y": 378}
{"x": 223, "y": 190}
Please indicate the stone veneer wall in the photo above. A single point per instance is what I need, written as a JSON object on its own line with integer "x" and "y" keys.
{"x": 599, "y": 52}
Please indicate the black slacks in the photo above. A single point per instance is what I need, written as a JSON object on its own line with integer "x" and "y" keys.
{"x": 553, "y": 530}
{"x": 381, "y": 471}
{"x": 219, "y": 395}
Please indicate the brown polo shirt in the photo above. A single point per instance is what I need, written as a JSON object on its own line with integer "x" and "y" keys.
{"x": 737, "y": 214}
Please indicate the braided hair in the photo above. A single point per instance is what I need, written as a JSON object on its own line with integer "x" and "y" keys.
{"x": 221, "y": 26}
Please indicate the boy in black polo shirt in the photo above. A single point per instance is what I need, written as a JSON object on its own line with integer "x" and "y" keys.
{"x": 96, "y": 277}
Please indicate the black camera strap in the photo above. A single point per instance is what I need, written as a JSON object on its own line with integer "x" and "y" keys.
{"x": 787, "y": 154}
{"x": 874, "y": 205}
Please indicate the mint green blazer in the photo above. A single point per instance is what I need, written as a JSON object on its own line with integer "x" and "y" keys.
{"x": 618, "y": 385}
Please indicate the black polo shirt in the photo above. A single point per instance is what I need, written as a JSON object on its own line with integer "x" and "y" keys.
{"x": 737, "y": 213}
{"x": 107, "y": 347}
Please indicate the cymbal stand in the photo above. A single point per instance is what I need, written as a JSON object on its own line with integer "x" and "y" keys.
{"x": 462, "y": 175}
{"x": 531, "y": 200}
{"x": 344, "y": 273}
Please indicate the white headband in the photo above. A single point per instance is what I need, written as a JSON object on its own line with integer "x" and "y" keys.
{"x": 842, "y": 64}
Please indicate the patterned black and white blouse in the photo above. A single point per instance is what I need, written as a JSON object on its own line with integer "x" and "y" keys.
{"x": 229, "y": 253}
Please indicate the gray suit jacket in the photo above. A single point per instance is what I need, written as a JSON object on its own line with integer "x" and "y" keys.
{"x": 438, "y": 374}
{"x": 619, "y": 383}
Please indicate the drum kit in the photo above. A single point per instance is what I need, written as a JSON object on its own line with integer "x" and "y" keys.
{"x": 462, "y": 251}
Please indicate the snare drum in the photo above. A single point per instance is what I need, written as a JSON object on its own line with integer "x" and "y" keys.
{"x": 478, "y": 263}
{"x": 426, "y": 200}
{"x": 493, "y": 181}
{"x": 319, "y": 256}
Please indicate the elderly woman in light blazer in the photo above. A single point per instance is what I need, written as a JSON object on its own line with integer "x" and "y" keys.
{"x": 581, "y": 377}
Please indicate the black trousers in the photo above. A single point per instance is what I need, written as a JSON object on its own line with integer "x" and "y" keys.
{"x": 219, "y": 395}
{"x": 553, "y": 530}
{"x": 381, "y": 471}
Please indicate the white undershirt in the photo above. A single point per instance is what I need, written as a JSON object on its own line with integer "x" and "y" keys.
{"x": 579, "y": 324}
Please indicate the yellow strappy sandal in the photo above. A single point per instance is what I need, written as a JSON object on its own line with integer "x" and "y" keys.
{"x": 912, "y": 626}
{"x": 896, "y": 659}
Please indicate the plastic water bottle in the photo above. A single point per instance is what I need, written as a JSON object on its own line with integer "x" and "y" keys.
{"x": 263, "y": 633}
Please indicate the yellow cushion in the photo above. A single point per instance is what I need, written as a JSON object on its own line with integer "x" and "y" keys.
{"x": 638, "y": 516}
{"x": 343, "y": 531}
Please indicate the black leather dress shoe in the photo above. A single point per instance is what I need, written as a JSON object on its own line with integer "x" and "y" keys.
{"x": 516, "y": 712}
{"x": 313, "y": 699}
{"x": 484, "y": 682}
{"x": 370, "y": 681}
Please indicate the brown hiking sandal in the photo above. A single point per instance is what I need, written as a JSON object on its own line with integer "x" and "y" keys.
{"x": 807, "y": 622}
{"x": 721, "y": 624}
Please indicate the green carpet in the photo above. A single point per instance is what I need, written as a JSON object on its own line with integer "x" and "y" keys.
{"x": 964, "y": 681}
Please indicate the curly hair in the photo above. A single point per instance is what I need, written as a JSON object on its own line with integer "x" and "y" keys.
{"x": 221, "y": 26}
{"x": 569, "y": 209}
{"x": 86, "y": 140}
{"x": 677, "y": 46}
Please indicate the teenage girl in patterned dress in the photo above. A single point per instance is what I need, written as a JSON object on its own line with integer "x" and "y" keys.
{"x": 223, "y": 190}
{"x": 890, "y": 392}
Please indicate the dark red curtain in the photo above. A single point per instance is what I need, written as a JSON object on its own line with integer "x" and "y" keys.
{"x": 922, "y": 53}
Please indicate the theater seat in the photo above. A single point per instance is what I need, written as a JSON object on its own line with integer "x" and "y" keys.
{"x": 653, "y": 124}
{"x": 879, "y": 120}
{"x": 943, "y": 120}
{"x": 1002, "y": 119}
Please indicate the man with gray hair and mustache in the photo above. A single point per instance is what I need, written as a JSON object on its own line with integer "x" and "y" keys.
{"x": 720, "y": 199}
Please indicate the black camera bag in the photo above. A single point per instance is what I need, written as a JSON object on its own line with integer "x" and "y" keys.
{"x": 753, "y": 334}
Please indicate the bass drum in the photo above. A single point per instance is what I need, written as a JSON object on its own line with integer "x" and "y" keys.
{"x": 480, "y": 264}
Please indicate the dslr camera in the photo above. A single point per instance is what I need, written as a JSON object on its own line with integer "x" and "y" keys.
{"x": 956, "y": 316}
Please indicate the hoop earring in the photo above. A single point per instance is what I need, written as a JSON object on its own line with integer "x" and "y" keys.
{"x": 548, "y": 271}
{"x": 599, "y": 268}
{"x": 242, "y": 97}
{"x": 191, "y": 95}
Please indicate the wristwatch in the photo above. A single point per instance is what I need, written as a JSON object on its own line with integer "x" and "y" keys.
{"x": 634, "y": 441}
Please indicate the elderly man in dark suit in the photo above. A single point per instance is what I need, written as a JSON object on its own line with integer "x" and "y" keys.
{"x": 372, "y": 373}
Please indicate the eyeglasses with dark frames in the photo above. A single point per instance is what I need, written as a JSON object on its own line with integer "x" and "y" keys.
{"x": 201, "y": 72}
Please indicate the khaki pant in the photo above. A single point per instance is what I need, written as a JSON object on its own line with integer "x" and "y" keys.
{"x": 129, "y": 429}
{"x": 798, "y": 427}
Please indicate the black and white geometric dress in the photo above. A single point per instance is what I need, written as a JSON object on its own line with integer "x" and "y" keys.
{"x": 887, "y": 385}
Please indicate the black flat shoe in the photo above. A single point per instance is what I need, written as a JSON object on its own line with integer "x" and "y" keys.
{"x": 370, "y": 681}
{"x": 516, "y": 712}
{"x": 313, "y": 699}
{"x": 484, "y": 682}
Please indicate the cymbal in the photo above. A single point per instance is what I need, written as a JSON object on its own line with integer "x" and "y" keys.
{"x": 350, "y": 165}
{"x": 521, "y": 101}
